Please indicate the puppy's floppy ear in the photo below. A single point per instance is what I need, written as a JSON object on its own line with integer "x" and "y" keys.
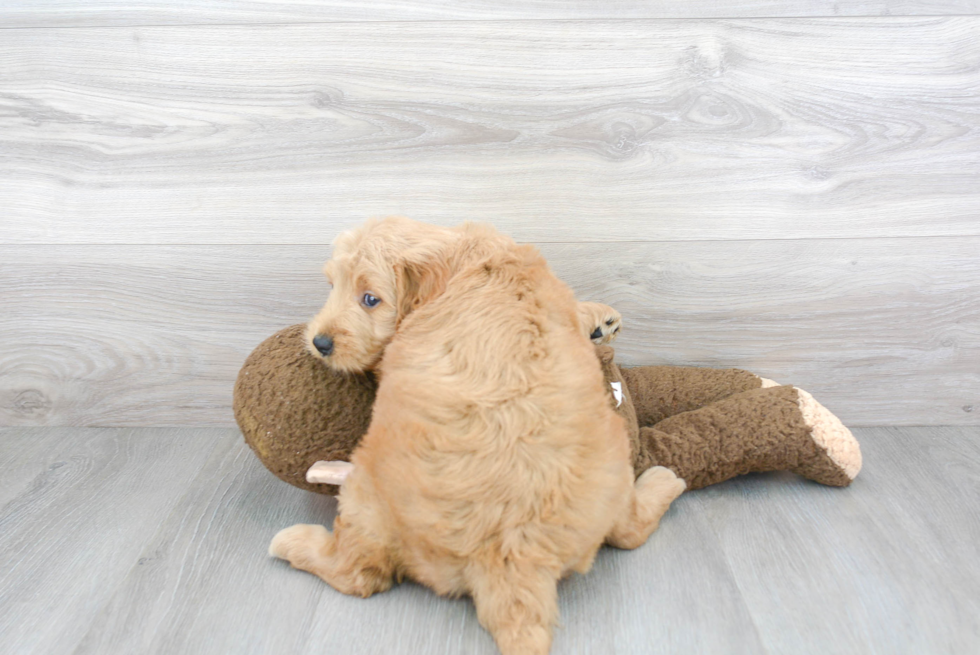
{"x": 417, "y": 283}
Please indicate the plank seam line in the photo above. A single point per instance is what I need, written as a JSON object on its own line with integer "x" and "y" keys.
{"x": 891, "y": 17}
{"x": 535, "y": 242}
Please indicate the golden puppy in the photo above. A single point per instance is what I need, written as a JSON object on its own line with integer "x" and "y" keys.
{"x": 494, "y": 463}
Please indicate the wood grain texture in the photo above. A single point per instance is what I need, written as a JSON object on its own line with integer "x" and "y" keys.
{"x": 212, "y": 549}
{"x": 24, "y": 457}
{"x": 557, "y": 131}
{"x": 76, "y": 13}
{"x": 631, "y": 603}
{"x": 892, "y": 558}
{"x": 142, "y": 336}
{"x": 204, "y": 582}
{"x": 72, "y": 535}
{"x": 665, "y": 597}
{"x": 881, "y": 331}
{"x": 762, "y": 564}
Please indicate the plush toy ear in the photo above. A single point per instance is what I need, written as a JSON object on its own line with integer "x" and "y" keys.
{"x": 416, "y": 283}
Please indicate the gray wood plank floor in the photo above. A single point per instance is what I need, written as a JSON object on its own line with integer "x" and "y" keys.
{"x": 153, "y": 541}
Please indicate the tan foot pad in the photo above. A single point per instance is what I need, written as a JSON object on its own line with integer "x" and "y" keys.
{"x": 830, "y": 434}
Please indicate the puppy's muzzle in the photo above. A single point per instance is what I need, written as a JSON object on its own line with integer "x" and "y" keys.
{"x": 324, "y": 344}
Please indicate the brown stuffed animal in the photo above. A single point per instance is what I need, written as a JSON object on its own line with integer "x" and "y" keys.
{"x": 303, "y": 419}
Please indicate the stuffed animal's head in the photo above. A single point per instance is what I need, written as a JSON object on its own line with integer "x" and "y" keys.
{"x": 294, "y": 411}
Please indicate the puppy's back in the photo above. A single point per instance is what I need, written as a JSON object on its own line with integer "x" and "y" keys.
{"x": 491, "y": 427}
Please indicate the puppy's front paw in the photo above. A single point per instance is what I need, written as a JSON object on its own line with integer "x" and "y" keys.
{"x": 602, "y": 321}
{"x": 299, "y": 544}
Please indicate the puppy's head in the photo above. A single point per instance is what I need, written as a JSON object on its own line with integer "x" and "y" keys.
{"x": 380, "y": 273}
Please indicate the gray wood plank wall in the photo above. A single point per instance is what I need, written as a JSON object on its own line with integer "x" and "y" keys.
{"x": 76, "y": 13}
{"x": 786, "y": 192}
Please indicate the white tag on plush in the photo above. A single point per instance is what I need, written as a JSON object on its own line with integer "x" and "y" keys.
{"x": 323, "y": 472}
{"x": 617, "y": 392}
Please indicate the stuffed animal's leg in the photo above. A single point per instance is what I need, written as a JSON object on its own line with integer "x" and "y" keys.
{"x": 659, "y": 392}
{"x": 352, "y": 559}
{"x": 768, "y": 429}
{"x": 517, "y": 602}
{"x": 652, "y": 495}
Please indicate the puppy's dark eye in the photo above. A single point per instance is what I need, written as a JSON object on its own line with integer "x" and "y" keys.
{"x": 370, "y": 300}
{"x": 610, "y": 321}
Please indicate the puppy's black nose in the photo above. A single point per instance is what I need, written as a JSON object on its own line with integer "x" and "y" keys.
{"x": 596, "y": 334}
{"x": 324, "y": 344}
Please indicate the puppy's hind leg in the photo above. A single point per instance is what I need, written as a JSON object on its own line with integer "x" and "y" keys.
{"x": 343, "y": 559}
{"x": 517, "y": 602}
{"x": 352, "y": 559}
{"x": 652, "y": 495}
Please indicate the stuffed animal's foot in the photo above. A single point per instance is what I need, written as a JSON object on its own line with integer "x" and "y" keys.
{"x": 602, "y": 322}
{"x": 831, "y": 439}
{"x": 324, "y": 472}
{"x": 653, "y": 493}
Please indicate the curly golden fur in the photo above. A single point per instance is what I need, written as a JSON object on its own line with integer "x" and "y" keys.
{"x": 494, "y": 463}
